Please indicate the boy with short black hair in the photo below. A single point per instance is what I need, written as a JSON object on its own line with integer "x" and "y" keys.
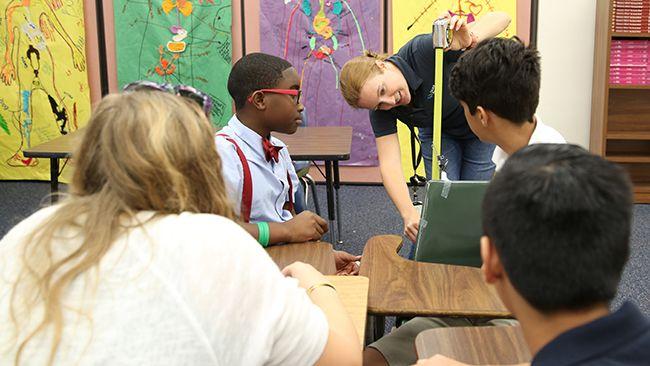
{"x": 557, "y": 227}
{"x": 497, "y": 83}
{"x": 257, "y": 167}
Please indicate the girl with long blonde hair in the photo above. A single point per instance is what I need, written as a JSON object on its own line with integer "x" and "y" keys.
{"x": 141, "y": 264}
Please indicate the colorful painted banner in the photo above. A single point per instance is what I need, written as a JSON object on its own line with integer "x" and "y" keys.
{"x": 318, "y": 37}
{"x": 44, "y": 91}
{"x": 179, "y": 42}
{"x": 413, "y": 17}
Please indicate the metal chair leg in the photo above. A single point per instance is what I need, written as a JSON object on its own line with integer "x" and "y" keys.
{"x": 375, "y": 325}
{"x": 305, "y": 189}
{"x": 312, "y": 184}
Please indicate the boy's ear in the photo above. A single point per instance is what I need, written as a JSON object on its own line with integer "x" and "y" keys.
{"x": 491, "y": 268}
{"x": 483, "y": 115}
{"x": 380, "y": 64}
{"x": 258, "y": 101}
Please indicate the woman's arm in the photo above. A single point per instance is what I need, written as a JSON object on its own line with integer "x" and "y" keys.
{"x": 468, "y": 35}
{"x": 490, "y": 25}
{"x": 343, "y": 347}
{"x": 390, "y": 165}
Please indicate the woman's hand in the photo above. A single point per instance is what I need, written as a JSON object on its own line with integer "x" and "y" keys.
{"x": 439, "y": 360}
{"x": 462, "y": 37}
{"x": 306, "y": 275}
{"x": 467, "y": 36}
{"x": 412, "y": 224}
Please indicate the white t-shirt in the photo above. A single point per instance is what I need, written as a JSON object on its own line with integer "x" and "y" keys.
{"x": 188, "y": 289}
{"x": 543, "y": 134}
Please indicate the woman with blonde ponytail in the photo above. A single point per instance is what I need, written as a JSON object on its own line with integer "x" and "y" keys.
{"x": 400, "y": 87}
{"x": 141, "y": 264}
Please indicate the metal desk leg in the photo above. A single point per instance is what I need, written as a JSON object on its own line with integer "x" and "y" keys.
{"x": 337, "y": 184}
{"x": 330, "y": 199}
{"x": 54, "y": 179}
{"x": 375, "y": 325}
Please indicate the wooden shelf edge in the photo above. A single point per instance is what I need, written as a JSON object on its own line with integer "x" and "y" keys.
{"x": 629, "y": 159}
{"x": 642, "y": 187}
{"x": 630, "y": 35}
{"x": 629, "y": 87}
{"x": 642, "y": 193}
{"x": 616, "y": 135}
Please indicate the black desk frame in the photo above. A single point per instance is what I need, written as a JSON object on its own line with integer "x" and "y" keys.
{"x": 332, "y": 183}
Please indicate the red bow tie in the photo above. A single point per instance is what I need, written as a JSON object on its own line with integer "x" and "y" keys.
{"x": 271, "y": 151}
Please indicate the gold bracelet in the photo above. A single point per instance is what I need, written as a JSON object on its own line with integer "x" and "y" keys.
{"x": 323, "y": 284}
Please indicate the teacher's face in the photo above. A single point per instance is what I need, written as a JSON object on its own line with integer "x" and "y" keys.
{"x": 385, "y": 90}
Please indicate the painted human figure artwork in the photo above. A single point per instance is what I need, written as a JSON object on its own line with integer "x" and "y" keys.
{"x": 179, "y": 42}
{"x": 43, "y": 83}
{"x": 318, "y": 37}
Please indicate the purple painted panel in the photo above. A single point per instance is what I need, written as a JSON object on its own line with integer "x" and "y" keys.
{"x": 318, "y": 37}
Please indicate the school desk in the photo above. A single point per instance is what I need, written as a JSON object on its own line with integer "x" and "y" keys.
{"x": 58, "y": 148}
{"x": 488, "y": 345}
{"x": 406, "y": 288}
{"x": 319, "y": 254}
{"x": 353, "y": 292}
{"x": 331, "y": 145}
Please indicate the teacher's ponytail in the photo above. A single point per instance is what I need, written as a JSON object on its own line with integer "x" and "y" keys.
{"x": 375, "y": 55}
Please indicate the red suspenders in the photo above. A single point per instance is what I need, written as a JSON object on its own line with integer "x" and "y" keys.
{"x": 290, "y": 206}
{"x": 247, "y": 191}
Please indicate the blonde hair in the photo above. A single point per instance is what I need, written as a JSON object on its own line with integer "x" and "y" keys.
{"x": 146, "y": 150}
{"x": 356, "y": 72}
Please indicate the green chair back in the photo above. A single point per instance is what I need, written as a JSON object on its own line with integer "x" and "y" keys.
{"x": 450, "y": 225}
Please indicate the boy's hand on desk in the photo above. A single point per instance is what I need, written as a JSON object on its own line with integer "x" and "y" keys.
{"x": 306, "y": 226}
{"x": 346, "y": 263}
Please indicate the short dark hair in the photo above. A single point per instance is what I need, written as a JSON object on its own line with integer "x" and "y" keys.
{"x": 500, "y": 75}
{"x": 559, "y": 218}
{"x": 253, "y": 72}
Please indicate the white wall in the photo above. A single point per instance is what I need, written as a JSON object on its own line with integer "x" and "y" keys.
{"x": 565, "y": 39}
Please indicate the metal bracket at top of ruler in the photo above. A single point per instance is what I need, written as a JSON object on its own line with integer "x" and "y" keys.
{"x": 441, "y": 33}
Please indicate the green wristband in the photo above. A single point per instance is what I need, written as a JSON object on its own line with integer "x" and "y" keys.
{"x": 264, "y": 233}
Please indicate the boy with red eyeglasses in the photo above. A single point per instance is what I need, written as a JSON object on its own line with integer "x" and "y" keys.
{"x": 257, "y": 167}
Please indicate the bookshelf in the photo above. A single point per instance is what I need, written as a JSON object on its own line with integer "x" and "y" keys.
{"x": 620, "y": 116}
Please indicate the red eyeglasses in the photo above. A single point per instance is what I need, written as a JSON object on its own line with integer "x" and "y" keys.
{"x": 294, "y": 93}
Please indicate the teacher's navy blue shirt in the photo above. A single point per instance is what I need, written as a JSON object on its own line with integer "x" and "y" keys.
{"x": 620, "y": 338}
{"x": 416, "y": 61}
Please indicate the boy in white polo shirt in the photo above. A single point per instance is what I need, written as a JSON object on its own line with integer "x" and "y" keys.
{"x": 497, "y": 83}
